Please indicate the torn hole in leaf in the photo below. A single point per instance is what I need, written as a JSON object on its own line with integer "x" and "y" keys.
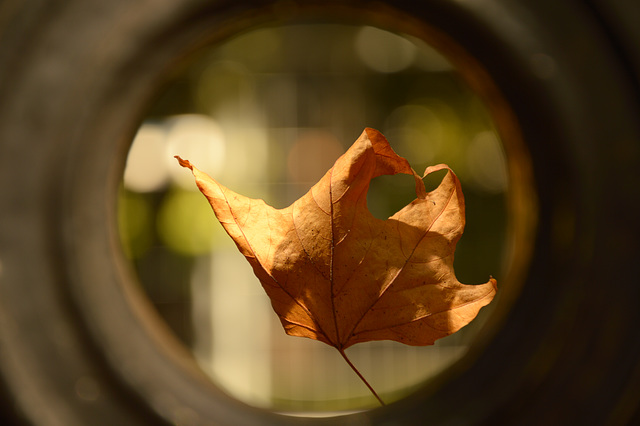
{"x": 433, "y": 180}
{"x": 389, "y": 193}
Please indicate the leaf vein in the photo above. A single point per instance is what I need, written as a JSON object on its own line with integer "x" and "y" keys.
{"x": 392, "y": 280}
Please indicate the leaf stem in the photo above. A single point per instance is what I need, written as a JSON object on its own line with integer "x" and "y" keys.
{"x": 353, "y": 367}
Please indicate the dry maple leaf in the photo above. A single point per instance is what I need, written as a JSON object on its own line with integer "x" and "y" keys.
{"x": 337, "y": 274}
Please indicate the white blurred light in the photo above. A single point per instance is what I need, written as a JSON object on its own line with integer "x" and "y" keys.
{"x": 383, "y": 51}
{"x": 146, "y": 168}
{"x": 241, "y": 365}
{"x": 196, "y": 138}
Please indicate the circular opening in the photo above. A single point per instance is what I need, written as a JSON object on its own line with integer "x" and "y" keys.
{"x": 267, "y": 113}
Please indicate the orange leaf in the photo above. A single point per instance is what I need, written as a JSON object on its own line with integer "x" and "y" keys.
{"x": 337, "y": 274}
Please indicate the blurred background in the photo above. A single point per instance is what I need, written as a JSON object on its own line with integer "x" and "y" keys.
{"x": 267, "y": 113}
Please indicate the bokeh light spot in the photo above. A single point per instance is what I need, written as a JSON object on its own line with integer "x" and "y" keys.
{"x": 197, "y": 138}
{"x": 383, "y": 51}
{"x": 186, "y": 223}
{"x": 146, "y": 169}
{"x": 311, "y": 155}
{"x": 487, "y": 164}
